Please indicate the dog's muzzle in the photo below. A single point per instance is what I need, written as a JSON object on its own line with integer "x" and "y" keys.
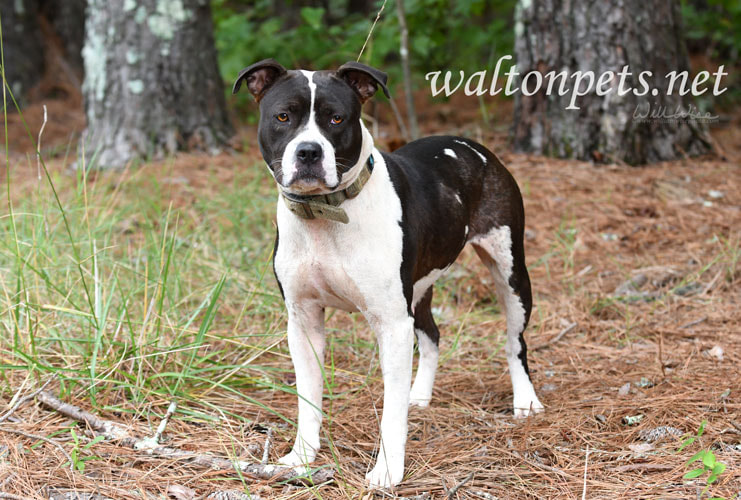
{"x": 327, "y": 206}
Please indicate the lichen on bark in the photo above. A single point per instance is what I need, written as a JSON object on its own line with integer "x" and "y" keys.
{"x": 151, "y": 92}
{"x": 602, "y": 36}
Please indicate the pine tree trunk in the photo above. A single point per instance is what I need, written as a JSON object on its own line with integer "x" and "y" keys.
{"x": 152, "y": 83}
{"x": 23, "y": 52}
{"x": 573, "y": 35}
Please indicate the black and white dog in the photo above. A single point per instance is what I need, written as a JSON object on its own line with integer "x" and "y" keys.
{"x": 366, "y": 231}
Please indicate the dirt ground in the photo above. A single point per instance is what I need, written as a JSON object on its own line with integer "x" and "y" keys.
{"x": 635, "y": 339}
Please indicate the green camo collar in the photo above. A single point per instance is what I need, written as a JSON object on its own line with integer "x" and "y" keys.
{"x": 327, "y": 206}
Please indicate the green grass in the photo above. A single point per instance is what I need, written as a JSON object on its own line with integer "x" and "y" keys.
{"x": 111, "y": 286}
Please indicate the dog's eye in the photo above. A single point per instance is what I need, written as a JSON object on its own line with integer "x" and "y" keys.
{"x": 337, "y": 119}
{"x": 283, "y": 117}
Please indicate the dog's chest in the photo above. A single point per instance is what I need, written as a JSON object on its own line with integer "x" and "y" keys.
{"x": 312, "y": 266}
{"x": 351, "y": 266}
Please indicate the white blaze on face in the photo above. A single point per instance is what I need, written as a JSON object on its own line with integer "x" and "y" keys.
{"x": 310, "y": 133}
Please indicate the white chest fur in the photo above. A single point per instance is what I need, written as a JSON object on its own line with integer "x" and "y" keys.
{"x": 354, "y": 266}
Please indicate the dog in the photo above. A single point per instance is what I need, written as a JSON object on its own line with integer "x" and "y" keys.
{"x": 361, "y": 230}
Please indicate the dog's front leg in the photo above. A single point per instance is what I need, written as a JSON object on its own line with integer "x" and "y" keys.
{"x": 395, "y": 343}
{"x": 306, "y": 341}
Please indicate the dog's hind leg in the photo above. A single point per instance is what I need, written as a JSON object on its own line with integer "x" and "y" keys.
{"x": 505, "y": 259}
{"x": 427, "y": 339}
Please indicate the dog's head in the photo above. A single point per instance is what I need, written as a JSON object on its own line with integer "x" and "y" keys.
{"x": 310, "y": 132}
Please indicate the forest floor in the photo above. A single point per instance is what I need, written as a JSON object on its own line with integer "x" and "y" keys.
{"x": 635, "y": 336}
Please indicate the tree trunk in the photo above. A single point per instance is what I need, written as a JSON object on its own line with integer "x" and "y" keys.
{"x": 152, "y": 83}
{"x": 572, "y": 35}
{"x": 23, "y": 53}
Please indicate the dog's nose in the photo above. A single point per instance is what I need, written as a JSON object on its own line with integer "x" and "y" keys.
{"x": 308, "y": 152}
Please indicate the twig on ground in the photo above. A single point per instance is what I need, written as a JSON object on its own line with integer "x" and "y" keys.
{"x": 541, "y": 466}
{"x": 76, "y": 494}
{"x": 300, "y": 475}
{"x": 586, "y": 466}
{"x": 41, "y": 438}
{"x": 25, "y": 399}
{"x": 693, "y": 323}
{"x": 484, "y": 495}
{"x": 631, "y": 467}
{"x": 154, "y": 441}
{"x": 558, "y": 337}
{"x": 231, "y": 495}
{"x": 266, "y": 450}
{"x": 452, "y": 491}
{"x": 109, "y": 429}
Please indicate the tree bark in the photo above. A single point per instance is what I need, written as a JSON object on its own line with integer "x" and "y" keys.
{"x": 152, "y": 83}
{"x": 572, "y": 35}
{"x": 23, "y": 52}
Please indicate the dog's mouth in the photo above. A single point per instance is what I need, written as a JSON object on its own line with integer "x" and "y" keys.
{"x": 307, "y": 184}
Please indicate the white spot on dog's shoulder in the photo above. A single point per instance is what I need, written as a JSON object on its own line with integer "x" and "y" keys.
{"x": 450, "y": 153}
{"x": 483, "y": 158}
{"x": 458, "y": 198}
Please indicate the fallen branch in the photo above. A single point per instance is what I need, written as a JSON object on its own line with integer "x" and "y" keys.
{"x": 266, "y": 450}
{"x": 154, "y": 441}
{"x": 300, "y": 475}
{"x": 484, "y": 495}
{"x": 452, "y": 491}
{"x": 586, "y": 464}
{"x": 693, "y": 323}
{"x": 631, "y": 467}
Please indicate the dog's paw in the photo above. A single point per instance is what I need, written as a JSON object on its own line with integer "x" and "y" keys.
{"x": 384, "y": 476}
{"x": 524, "y": 407}
{"x": 295, "y": 459}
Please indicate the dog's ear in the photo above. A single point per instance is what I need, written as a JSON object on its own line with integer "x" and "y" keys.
{"x": 363, "y": 79}
{"x": 260, "y": 76}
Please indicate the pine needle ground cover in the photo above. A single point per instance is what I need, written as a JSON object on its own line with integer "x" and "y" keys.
{"x": 134, "y": 289}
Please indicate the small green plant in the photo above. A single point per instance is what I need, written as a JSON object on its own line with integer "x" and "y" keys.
{"x": 706, "y": 457}
{"x": 78, "y": 461}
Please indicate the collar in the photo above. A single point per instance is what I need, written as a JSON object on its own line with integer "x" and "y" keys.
{"x": 327, "y": 206}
